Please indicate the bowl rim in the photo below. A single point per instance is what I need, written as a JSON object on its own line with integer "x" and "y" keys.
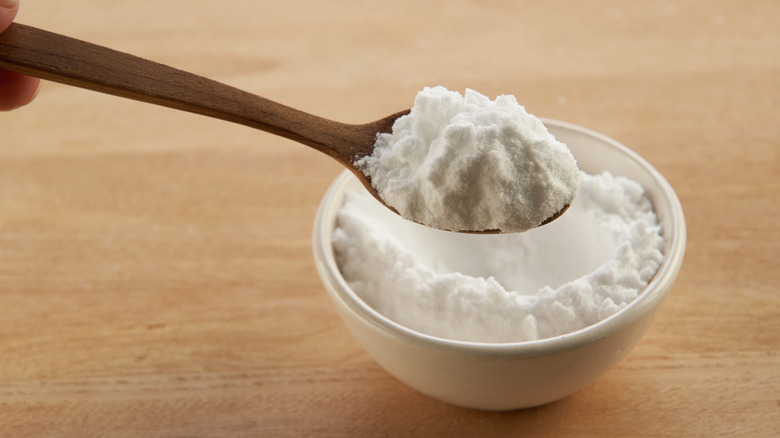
{"x": 646, "y": 300}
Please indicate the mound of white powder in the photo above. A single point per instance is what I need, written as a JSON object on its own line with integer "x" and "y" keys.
{"x": 556, "y": 279}
{"x": 467, "y": 163}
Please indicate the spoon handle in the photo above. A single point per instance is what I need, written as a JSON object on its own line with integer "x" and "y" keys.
{"x": 58, "y": 58}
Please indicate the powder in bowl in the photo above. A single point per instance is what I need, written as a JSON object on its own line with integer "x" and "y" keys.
{"x": 553, "y": 280}
{"x": 467, "y": 163}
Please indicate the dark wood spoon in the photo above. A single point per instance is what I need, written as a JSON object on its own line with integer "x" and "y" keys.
{"x": 59, "y": 58}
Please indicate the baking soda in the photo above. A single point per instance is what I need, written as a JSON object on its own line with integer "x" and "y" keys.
{"x": 465, "y": 162}
{"x": 553, "y": 280}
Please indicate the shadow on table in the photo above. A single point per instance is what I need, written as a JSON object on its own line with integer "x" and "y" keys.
{"x": 405, "y": 412}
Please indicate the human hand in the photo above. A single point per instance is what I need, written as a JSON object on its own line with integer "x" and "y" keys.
{"x": 15, "y": 89}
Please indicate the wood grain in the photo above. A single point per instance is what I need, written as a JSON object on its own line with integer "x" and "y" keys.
{"x": 156, "y": 277}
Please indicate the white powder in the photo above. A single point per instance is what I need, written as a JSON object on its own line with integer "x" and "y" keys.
{"x": 553, "y": 280}
{"x": 466, "y": 163}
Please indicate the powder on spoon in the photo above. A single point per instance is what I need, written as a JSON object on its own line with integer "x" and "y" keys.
{"x": 556, "y": 279}
{"x": 467, "y": 163}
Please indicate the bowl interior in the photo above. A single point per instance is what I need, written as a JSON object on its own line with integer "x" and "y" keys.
{"x": 595, "y": 153}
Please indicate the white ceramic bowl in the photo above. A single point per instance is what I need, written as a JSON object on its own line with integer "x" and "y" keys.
{"x": 512, "y": 375}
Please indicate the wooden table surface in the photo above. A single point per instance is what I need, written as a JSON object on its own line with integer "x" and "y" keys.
{"x": 156, "y": 276}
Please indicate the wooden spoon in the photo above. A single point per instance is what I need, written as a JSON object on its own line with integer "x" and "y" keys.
{"x": 58, "y": 58}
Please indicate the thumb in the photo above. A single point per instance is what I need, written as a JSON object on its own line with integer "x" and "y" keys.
{"x": 15, "y": 89}
{"x": 8, "y": 10}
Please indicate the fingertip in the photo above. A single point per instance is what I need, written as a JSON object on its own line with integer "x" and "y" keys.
{"x": 17, "y": 90}
{"x": 8, "y": 10}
